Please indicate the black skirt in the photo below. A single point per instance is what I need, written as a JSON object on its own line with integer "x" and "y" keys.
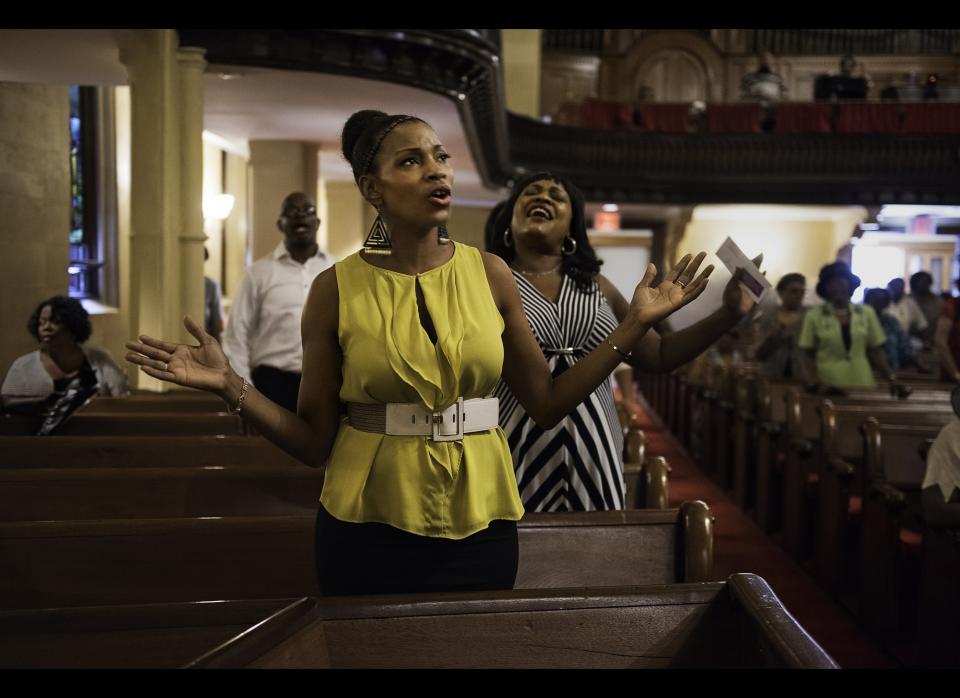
{"x": 374, "y": 558}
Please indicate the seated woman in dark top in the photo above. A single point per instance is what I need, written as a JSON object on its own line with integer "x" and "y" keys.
{"x": 60, "y": 325}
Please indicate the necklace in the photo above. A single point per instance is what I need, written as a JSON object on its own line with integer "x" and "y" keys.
{"x": 538, "y": 273}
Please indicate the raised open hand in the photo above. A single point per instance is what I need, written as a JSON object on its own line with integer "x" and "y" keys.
{"x": 650, "y": 305}
{"x": 204, "y": 366}
{"x": 733, "y": 296}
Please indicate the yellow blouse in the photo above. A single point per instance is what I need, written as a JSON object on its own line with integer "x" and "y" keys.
{"x": 441, "y": 489}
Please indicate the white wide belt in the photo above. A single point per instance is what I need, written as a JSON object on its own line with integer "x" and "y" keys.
{"x": 413, "y": 419}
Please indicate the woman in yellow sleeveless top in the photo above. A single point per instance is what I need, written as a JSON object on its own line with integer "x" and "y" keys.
{"x": 403, "y": 344}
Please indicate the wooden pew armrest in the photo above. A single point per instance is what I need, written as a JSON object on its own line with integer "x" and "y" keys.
{"x": 635, "y": 442}
{"x": 841, "y": 467}
{"x": 891, "y": 496}
{"x": 695, "y": 555}
{"x": 771, "y": 428}
{"x": 802, "y": 446}
{"x": 656, "y": 483}
{"x": 777, "y": 626}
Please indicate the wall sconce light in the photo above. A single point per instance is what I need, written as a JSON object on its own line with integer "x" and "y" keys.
{"x": 218, "y": 207}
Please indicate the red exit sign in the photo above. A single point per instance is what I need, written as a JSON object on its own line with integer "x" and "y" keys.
{"x": 606, "y": 220}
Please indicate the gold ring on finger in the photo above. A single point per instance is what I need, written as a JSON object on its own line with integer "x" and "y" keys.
{"x": 681, "y": 284}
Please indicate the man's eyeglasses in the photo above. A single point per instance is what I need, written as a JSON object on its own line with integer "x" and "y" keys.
{"x": 307, "y": 211}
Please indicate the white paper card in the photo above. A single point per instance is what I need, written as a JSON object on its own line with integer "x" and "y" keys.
{"x": 753, "y": 282}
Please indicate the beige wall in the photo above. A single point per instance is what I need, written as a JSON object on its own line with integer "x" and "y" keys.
{"x": 346, "y": 218}
{"x": 277, "y": 170}
{"x": 792, "y": 238}
{"x": 213, "y": 185}
{"x": 236, "y": 228}
{"x": 521, "y": 70}
{"x": 35, "y": 203}
{"x": 467, "y": 224}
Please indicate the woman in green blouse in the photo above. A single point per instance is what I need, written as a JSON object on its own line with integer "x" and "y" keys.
{"x": 838, "y": 338}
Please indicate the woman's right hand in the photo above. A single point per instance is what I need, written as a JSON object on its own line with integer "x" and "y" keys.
{"x": 204, "y": 367}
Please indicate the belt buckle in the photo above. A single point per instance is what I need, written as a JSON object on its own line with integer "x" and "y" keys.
{"x": 436, "y": 420}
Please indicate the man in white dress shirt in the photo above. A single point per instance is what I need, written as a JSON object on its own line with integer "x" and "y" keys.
{"x": 262, "y": 339}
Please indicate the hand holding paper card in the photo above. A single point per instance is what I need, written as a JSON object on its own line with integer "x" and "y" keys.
{"x": 751, "y": 279}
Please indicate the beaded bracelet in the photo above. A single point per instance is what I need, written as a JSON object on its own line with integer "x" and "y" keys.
{"x": 243, "y": 396}
{"x": 625, "y": 355}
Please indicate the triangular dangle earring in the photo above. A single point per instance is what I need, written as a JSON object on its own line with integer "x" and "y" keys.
{"x": 442, "y": 236}
{"x": 378, "y": 241}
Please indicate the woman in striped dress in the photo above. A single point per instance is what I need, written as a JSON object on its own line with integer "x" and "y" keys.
{"x": 571, "y": 308}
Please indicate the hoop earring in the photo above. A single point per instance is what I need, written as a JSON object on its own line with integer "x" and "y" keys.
{"x": 564, "y": 247}
{"x": 442, "y": 236}
{"x": 378, "y": 241}
{"x": 507, "y": 238}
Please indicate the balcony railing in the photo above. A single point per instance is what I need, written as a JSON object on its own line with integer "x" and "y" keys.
{"x": 628, "y": 165}
{"x": 858, "y": 116}
{"x": 856, "y": 41}
{"x": 576, "y": 40}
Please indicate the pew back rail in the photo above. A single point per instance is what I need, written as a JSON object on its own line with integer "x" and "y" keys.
{"x": 737, "y": 623}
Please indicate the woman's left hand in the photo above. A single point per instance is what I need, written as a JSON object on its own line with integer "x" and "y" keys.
{"x": 734, "y": 298}
{"x": 651, "y": 305}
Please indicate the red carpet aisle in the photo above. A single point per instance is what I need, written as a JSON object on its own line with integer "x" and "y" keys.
{"x": 740, "y": 546}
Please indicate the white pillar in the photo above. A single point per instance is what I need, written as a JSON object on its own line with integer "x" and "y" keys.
{"x": 150, "y": 56}
{"x": 192, "y": 236}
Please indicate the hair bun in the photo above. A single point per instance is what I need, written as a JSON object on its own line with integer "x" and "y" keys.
{"x": 354, "y": 128}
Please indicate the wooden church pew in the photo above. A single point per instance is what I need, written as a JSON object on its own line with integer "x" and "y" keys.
{"x": 891, "y": 519}
{"x": 940, "y": 598}
{"x": 842, "y": 476}
{"x": 129, "y": 424}
{"x": 139, "y": 452}
{"x": 805, "y": 460}
{"x": 739, "y": 623}
{"x": 50, "y": 494}
{"x": 128, "y": 561}
{"x": 157, "y": 403}
{"x": 775, "y": 433}
{"x": 150, "y": 636}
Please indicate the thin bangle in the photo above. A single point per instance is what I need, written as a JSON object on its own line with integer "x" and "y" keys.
{"x": 625, "y": 355}
{"x": 243, "y": 396}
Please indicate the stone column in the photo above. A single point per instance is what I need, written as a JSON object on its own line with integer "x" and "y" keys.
{"x": 191, "y": 236}
{"x": 521, "y": 70}
{"x": 150, "y": 56}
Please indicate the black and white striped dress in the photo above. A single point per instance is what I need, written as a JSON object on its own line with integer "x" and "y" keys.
{"x": 577, "y": 465}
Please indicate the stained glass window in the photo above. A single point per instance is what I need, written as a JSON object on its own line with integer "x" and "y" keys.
{"x": 84, "y": 266}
